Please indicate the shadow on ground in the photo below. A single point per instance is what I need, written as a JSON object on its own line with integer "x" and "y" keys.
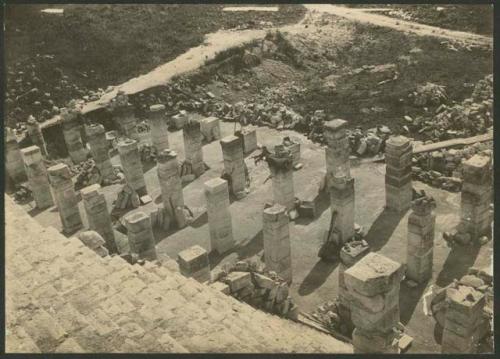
{"x": 383, "y": 228}
{"x": 243, "y": 250}
{"x": 317, "y": 276}
{"x": 458, "y": 262}
{"x": 323, "y": 205}
{"x": 408, "y": 300}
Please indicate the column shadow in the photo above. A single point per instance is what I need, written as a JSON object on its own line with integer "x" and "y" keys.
{"x": 408, "y": 300}
{"x": 245, "y": 249}
{"x": 317, "y": 276}
{"x": 383, "y": 228}
{"x": 322, "y": 205}
{"x": 458, "y": 262}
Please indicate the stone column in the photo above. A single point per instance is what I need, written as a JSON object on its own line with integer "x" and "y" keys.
{"x": 193, "y": 263}
{"x": 419, "y": 253}
{"x": 132, "y": 165}
{"x": 124, "y": 118}
{"x": 342, "y": 205}
{"x": 210, "y": 128}
{"x": 98, "y": 215}
{"x": 277, "y": 249}
{"x": 36, "y": 136}
{"x": 463, "y": 320}
{"x": 338, "y": 148}
{"x": 219, "y": 215}
{"x": 281, "y": 167}
{"x": 170, "y": 183}
{"x": 37, "y": 177}
{"x": 159, "y": 127}
{"x": 13, "y": 158}
{"x": 476, "y": 196}
{"x": 72, "y": 135}
{"x": 140, "y": 235}
{"x": 398, "y": 187}
{"x": 350, "y": 254}
{"x": 65, "y": 197}
{"x": 99, "y": 149}
{"x": 373, "y": 285}
{"x": 193, "y": 146}
{"x": 234, "y": 163}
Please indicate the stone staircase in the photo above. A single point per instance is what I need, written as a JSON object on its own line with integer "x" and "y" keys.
{"x": 62, "y": 297}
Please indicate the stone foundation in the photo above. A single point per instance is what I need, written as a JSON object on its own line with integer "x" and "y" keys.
{"x": 277, "y": 248}
{"x": 219, "y": 215}
{"x": 140, "y": 235}
{"x": 132, "y": 166}
{"x": 65, "y": 197}
{"x": 170, "y": 184}
{"x": 98, "y": 216}
{"x": 193, "y": 147}
{"x": 99, "y": 149}
{"x": 281, "y": 167}
{"x": 159, "y": 127}
{"x": 398, "y": 186}
{"x": 13, "y": 158}
{"x": 37, "y": 177}
{"x": 234, "y": 163}
{"x": 193, "y": 262}
{"x": 72, "y": 136}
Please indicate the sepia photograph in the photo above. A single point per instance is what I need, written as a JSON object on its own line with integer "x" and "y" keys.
{"x": 248, "y": 178}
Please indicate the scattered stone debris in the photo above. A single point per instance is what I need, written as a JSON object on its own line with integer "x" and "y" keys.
{"x": 127, "y": 198}
{"x": 23, "y": 194}
{"x": 94, "y": 241}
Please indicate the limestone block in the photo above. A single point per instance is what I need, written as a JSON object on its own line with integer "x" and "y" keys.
{"x": 132, "y": 165}
{"x": 249, "y": 139}
{"x": 374, "y": 342}
{"x": 262, "y": 281}
{"x": 294, "y": 149}
{"x": 234, "y": 164}
{"x": 140, "y": 235}
{"x": 374, "y": 274}
{"x": 238, "y": 280}
{"x": 419, "y": 266}
{"x": 210, "y": 128}
{"x": 221, "y": 287}
{"x": 477, "y": 170}
{"x": 159, "y": 127}
{"x": 180, "y": 119}
{"x": 383, "y": 320}
{"x": 36, "y": 135}
{"x": 193, "y": 146}
{"x": 99, "y": 150}
{"x": 277, "y": 249}
{"x": 352, "y": 252}
{"x": 13, "y": 157}
{"x": 170, "y": 182}
{"x": 193, "y": 262}
{"x": 398, "y": 198}
{"x": 72, "y": 136}
{"x": 124, "y": 118}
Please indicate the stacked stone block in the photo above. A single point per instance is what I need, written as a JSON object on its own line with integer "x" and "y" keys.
{"x": 249, "y": 139}
{"x": 420, "y": 249}
{"x": 72, "y": 136}
{"x": 338, "y": 149}
{"x": 350, "y": 254}
{"x": 36, "y": 136}
{"x": 13, "y": 158}
{"x": 373, "y": 285}
{"x": 219, "y": 215}
{"x": 281, "y": 167}
{"x": 210, "y": 128}
{"x": 65, "y": 197}
{"x": 277, "y": 247}
{"x": 476, "y": 196}
{"x": 464, "y": 316}
{"x": 124, "y": 118}
{"x": 140, "y": 235}
{"x": 37, "y": 176}
{"x": 179, "y": 120}
{"x": 294, "y": 148}
{"x": 159, "y": 127}
{"x": 98, "y": 216}
{"x": 398, "y": 186}
{"x": 96, "y": 136}
{"x": 193, "y": 263}
{"x": 170, "y": 183}
{"x": 234, "y": 163}
{"x": 132, "y": 166}
{"x": 342, "y": 204}
{"x": 193, "y": 147}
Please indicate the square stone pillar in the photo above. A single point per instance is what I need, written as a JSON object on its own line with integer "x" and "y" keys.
{"x": 342, "y": 205}
{"x": 98, "y": 216}
{"x": 170, "y": 183}
{"x": 350, "y": 254}
{"x": 13, "y": 159}
{"x": 140, "y": 235}
{"x": 37, "y": 176}
{"x": 193, "y": 263}
{"x": 219, "y": 215}
{"x": 281, "y": 167}
{"x": 36, "y": 136}
{"x": 476, "y": 196}
{"x": 210, "y": 128}
{"x": 463, "y": 320}
{"x": 373, "y": 286}
{"x": 72, "y": 135}
{"x": 234, "y": 163}
{"x": 124, "y": 118}
{"x": 419, "y": 253}
{"x": 193, "y": 146}
{"x": 398, "y": 186}
{"x": 249, "y": 135}
{"x": 65, "y": 197}
{"x": 277, "y": 248}
{"x": 132, "y": 165}
{"x": 159, "y": 127}
{"x": 338, "y": 149}
{"x": 96, "y": 136}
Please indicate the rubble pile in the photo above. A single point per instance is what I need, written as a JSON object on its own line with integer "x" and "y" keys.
{"x": 148, "y": 153}
{"x": 429, "y": 94}
{"x": 127, "y": 198}
{"x": 248, "y": 282}
{"x": 23, "y": 194}
{"x": 443, "y": 169}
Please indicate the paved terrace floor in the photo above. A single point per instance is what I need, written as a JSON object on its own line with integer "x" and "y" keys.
{"x": 315, "y": 282}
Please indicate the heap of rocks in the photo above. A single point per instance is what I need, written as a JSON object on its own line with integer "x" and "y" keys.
{"x": 127, "y": 198}
{"x": 249, "y": 283}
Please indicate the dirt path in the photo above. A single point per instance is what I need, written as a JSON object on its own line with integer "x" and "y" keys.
{"x": 361, "y": 15}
